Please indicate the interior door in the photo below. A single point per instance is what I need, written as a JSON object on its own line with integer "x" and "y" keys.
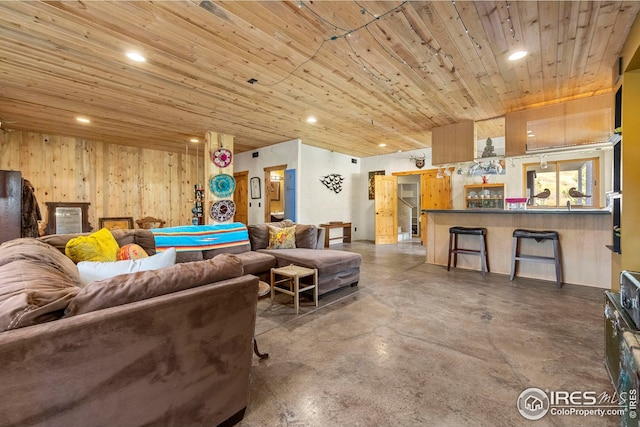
{"x": 435, "y": 194}
{"x": 241, "y": 197}
{"x": 386, "y": 209}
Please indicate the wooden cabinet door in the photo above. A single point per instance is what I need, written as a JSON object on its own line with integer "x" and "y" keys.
{"x": 435, "y": 194}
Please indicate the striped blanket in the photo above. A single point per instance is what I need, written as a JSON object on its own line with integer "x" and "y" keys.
{"x": 200, "y": 237}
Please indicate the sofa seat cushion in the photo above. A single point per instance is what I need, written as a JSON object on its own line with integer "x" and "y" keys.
{"x": 326, "y": 261}
{"x": 256, "y": 262}
{"x": 127, "y": 288}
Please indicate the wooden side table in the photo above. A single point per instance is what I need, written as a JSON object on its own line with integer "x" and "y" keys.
{"x": 292, "y": 275}
{"x": 346, "y": 232}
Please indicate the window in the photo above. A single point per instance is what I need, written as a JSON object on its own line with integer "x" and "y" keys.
{"x": 554, "y": 184}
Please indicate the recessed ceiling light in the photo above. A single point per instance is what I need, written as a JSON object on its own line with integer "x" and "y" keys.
{"x": 311, "y": 119}
{"x": 382, "y": 145}
{"x": 194, "y": 140}
{"x": 529, "y": 131}
{"x": 530, "y": 135}
{"x": 83, "y": 120}
{"x": 518, "y": 55}
{"x": 135, "y": 56}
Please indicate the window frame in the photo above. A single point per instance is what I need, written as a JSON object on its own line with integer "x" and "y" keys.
{"x": 595, "y": 196}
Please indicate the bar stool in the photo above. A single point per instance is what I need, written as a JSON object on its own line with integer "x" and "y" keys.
{"x": 453, "y": 246}
{"x": 539, "y": 236}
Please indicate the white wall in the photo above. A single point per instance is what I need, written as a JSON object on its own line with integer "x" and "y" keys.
{"x": 316, "y": 204}
{"x": 279, "y": 154}
{"x": 364, "y": 214}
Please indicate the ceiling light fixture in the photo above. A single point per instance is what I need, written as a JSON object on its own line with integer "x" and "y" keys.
{"x": 135, "y": 56}
{"x": 194, "y": 140}
{"x": 83, "y": 120}
{"x": 382, "y": 145}
{"x": 311, "y": 119}
{"x": 518, "y": 55}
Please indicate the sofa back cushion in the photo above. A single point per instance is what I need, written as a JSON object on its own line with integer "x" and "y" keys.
{"x": 306, "y": 235}
{"x": 144, "y": 238}
{"x": 127, "y": 288}
{"x": 37, "y": 283}
{"x": 259, "y": 233}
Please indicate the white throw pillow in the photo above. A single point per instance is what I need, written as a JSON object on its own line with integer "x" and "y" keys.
{"x": 93, "y": 271}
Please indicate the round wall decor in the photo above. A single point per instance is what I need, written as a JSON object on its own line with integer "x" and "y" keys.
{"x": 222, "y": 210}
{"x": 221, "y": 157}
{"x": 222, "y": 185}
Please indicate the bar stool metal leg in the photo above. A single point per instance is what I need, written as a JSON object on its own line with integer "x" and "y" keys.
{"x": 514, "y": 255}
{"x": 483, "y": 255}
{"x": 556, "y": 254}
{"x": 450, "y": 251}
{"x": 455, "y": 253}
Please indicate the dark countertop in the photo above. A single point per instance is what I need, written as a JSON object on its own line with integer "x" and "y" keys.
{"x": 576, "y": 211}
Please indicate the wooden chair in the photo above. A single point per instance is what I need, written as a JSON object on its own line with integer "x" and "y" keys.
{"x": 150, "y": 222}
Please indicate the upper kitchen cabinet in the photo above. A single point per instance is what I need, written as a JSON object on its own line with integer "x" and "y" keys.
{"x": 557, "y": 126}
{"x": 453, "y": 143}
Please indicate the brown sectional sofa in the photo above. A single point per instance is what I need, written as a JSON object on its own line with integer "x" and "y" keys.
{"x": 164, "y": 347}
{"x": 335, "y": 268}
{"x": 179, "y": 354}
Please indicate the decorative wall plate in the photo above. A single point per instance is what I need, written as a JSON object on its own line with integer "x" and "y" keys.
{"x": 222, "y": 210}
{"x": 222, "y": 185}
{"x": 221, "y": 157}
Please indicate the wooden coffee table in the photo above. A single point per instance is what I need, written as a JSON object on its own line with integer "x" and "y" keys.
{"x": 291, "y": 275}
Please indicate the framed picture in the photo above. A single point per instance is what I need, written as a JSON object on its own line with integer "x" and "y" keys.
{"x": 255, "y": 188}
{"x": 119, "y": 223}
{"x": 372, "y": 183}
{"x": 274, "y": 190}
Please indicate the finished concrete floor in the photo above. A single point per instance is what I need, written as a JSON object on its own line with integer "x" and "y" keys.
{"x": 415, "y": 345}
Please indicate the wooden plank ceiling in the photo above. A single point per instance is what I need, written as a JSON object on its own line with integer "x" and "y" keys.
{"x": 371, "y": 72}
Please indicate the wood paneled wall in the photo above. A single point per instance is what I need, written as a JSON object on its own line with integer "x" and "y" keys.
{"x": 117, "y": 180}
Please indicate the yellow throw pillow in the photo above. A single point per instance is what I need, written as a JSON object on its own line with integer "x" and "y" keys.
{"x": 99, "y": 246}
{"x": 282, "y": 238}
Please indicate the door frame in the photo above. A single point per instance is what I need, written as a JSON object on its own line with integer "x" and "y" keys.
{"x": 244, "y": 174}
{"x": 267, "y": 185}
{"x": 423, "y": 216}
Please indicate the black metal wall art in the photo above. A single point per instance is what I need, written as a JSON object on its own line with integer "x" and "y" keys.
{"x": 333, "y": 182}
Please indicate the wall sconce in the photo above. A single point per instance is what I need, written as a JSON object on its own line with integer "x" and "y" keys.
{"x": 543, "y": 161}
{"x": 274, "y": 177}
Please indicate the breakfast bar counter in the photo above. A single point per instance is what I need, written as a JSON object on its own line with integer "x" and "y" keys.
{"x": 584, "y": 234}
